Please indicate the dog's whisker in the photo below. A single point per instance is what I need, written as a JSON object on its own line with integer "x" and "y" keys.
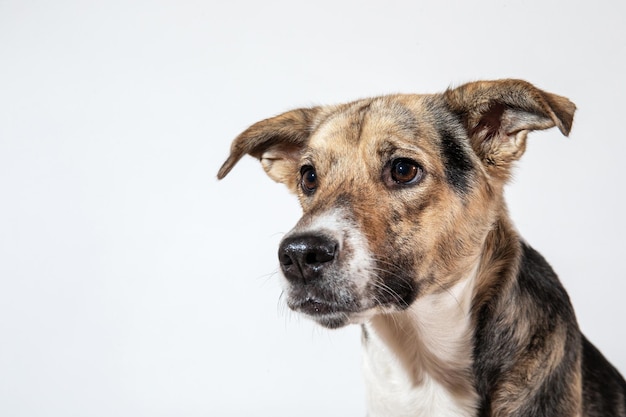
{"x": 266, "y": 278}
{"x": 378, "y": 283}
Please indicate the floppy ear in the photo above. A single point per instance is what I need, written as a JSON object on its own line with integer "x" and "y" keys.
{"x": 499, "y": 114}
{"x": 277, "y": 142}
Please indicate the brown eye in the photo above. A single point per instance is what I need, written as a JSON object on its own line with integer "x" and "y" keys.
{"x": 405, "y": 171}
{"x": 308, "y": 179}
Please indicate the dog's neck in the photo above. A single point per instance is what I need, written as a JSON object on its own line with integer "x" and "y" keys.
{"x": 420, "y": 359}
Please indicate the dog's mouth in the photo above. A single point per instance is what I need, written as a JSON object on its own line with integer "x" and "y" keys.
{"x": 315, "y": 307}
{"x": 328, "y": 314}
{"x": 342, "y": 305}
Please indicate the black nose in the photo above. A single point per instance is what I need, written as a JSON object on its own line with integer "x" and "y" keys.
{"x": 303, "y": 258}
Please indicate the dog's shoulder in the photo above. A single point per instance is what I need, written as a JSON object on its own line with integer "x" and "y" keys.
{"x": 534, "y": 343}
{"x": 541, "y": 288}
{"x": 604, "y": 389}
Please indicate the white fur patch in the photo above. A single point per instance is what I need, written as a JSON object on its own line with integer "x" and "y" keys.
{"x": 418, "y": 362}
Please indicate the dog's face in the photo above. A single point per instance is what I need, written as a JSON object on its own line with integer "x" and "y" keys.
{"x": 398, "y": 192}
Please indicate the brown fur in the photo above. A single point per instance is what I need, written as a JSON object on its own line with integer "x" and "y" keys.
{"x": 427, "y": 237}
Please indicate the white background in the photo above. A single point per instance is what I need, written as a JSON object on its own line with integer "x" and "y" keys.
{"x": 132, "y": 283}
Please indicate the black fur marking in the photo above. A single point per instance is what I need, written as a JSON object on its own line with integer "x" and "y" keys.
{"x": 458, "y": 164}
{"x": 604, "y": 389}
{"x": 398, "y": 286}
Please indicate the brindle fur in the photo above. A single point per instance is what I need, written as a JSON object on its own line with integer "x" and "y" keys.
{"x": 528, "y": 356}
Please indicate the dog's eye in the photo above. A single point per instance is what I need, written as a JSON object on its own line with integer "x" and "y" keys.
{"x": 308, "y": 179}
{"x": 405, "y": 171}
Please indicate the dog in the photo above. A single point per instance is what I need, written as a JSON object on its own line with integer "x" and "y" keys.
{"x": 405, "y": 232}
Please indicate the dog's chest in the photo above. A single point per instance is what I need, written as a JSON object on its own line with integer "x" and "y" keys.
{"x": 420, "y": 364}
{"x": 391, "y": 393}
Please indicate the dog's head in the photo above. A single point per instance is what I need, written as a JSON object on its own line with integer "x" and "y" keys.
{"x": 398, "y": 192}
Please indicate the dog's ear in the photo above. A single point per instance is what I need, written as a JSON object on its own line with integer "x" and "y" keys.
{"x": 499, "y": 114}
{"x": 277, "y": 142}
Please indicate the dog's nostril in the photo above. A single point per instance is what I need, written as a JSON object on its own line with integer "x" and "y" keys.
{"x": 285, "y": 259}
{"x": 310, "y": 258}
{"x": 320, "y": 255}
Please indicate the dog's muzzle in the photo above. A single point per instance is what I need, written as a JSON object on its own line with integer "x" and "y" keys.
{"x": 317, "y": 284}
